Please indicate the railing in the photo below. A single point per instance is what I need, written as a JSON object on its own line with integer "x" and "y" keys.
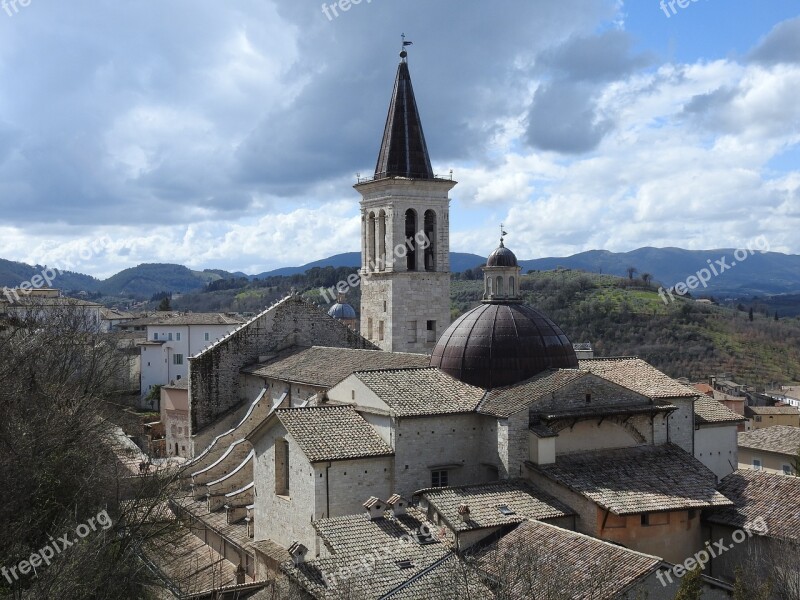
{"x": 380, "y": 176}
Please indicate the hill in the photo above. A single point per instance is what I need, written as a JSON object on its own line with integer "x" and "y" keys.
{"x": 13, "y": 273}
{"x": 147, "y": 279}
{"x": 459, "y": 262}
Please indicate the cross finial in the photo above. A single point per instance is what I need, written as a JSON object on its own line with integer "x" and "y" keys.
{"x": 403, "y": 53}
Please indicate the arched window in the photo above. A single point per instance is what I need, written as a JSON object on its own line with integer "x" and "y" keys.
{"x": 489, "y": 286}
{"x": 499, "y": 285}
{"x": 511, "y": 285}
{"x": 411, "y": 242}
{"x": 371, "y": 242}
{"x": 382, "y": 241}
{"x": 430, "y": 237}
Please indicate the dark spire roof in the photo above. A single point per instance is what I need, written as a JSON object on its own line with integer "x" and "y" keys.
{"x": 403, "y": 149}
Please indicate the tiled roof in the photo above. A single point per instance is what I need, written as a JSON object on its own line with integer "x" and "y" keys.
{"x": 637, "y": 480}
{"x": 325, "y": 367}
{"x": 382, "y": 544}
{"x": 332, "y": 433}
{"x": 755, "y": 494}
{"x": 773, "y": 410}
{"x": 503, "y": 402}
{"x": 780, "y": 439}
{"x": 704, "y": 388}
{"x": 708, "y": 410}
{"x": 413, "y": 392}
{"x": 537, "y": 560}
{"x": 199, "y": 319}
{"x": 448, "y": 579}
{"x": 521, "y": 497}
{"x": 635, "y": 374}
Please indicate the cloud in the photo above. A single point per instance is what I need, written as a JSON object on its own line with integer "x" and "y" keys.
{"x": 781, "y": 45}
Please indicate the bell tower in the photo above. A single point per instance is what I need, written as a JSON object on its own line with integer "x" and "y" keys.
{"x": 405, "y": 234}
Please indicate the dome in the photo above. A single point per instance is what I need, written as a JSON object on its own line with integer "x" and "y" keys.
{"x": 502, "y": 257}
{"x": 498, "y": 344}
{"x": 342, "y": 311}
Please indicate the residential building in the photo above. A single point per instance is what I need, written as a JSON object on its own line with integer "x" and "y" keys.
{"x": 770, "y": 416}
{"x": 770, "y": 449}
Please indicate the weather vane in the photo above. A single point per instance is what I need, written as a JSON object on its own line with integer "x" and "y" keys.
{"x": 403, "y": 52}
{"x": 503, "y": 233}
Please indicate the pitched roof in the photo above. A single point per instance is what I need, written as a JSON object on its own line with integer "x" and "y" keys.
{"x": 372, "y": 552}
{"x": 756, "y": 494}
{"x": 199, "y": 319}
{"x": 332, "y": 433}
{"x": 416, "y": 392}
{"x": 522, "y": 498}
{"x": 773, "y": 410}
{"x": 403, "y": 152}
{"x": 637, "y": 375}
{"x": 552, "y": 558}
{"x": 637, "y": 480}
{"x": 780, "y": 439}
{"x": 503, "y": 402}
{"x": 707, "y": 411}
{"x": 325, "y": 367}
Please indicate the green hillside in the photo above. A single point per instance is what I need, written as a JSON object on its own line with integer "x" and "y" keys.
{"x": 684, "y": 338}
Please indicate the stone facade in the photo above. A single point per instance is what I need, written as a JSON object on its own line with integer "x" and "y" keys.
{"x": 214, "y": 378}
{"x": 405, "y": 307}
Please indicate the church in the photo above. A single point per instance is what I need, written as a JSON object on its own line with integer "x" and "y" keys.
{"x": 314, "y": 444}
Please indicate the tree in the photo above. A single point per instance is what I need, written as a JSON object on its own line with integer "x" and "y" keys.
{"x": 691, "y": 586}
{"x": 631, "y": 271}
{"x": 60, "y": 460}
{"x": 165, "y": 304}
{"x": 647, "y": 278}
{"x": 776, "y": 315}
{"x": 750, "y": 314}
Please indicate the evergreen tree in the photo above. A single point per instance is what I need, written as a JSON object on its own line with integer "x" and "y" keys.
{"x": 750, "y": 314}
{"x": 691, "y": 586}
{"x": 165, "y": 304}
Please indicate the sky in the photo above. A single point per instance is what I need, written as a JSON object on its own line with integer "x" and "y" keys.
{"x": 228, "y": 135}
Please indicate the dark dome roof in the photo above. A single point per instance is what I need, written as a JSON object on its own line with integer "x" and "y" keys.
{"x": 342, "y": 311}
{"x": 495, "y": 345}
{"x": 502, "y": 257}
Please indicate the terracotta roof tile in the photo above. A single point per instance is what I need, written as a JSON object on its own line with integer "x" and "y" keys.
{"x": 413, "y": 392}
{"x": 637, "y": 480}
{"x": 755, "y": 494}
{"x": 503, "y": 402}
{"x": 773, "y": 410}
{"x": 552, "y": 556}
{"x": 332, "y": 433}
{"x": 780, "y": 439}
{"x": 635, "y": 374}
{"x": 708, "y": 410}
{"x": 325, "y": 367}
{"x": 521, "y": 497}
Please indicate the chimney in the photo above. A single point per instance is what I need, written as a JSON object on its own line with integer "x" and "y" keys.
{"x": 463, "y": 510}
{"x": 374, "y": 508}
{"x": 298, "y": 552}
{"x": 397, "y": 504}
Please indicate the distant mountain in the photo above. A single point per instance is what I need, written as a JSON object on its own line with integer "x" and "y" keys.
{"x": 459, "y": 262}
{"x": 148, "y": 279}
{"x": 758, "y": 274}
{"x": 12, "y": 274}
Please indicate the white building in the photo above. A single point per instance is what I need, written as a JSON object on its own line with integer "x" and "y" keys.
{"x": 171, "y": 341}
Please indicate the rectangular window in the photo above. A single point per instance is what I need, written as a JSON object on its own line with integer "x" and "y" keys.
{"x": 177, "y": 359}
{"x": 369, "y": 328}
{"x": 155, "y": 336}
{"x": 384, "y": 306}
{"x": 207, "y": 336}
{"x": 169, "y": 337}
{"x": 757, "y": 464}
{"x": 439, "y": 478}
{"x": 431, "y": 327}
{"x": 758, "y": 418}
{"x": 411, "y": 332}
{"x": 178, "y": 337}
{"x": 380, "y": 331}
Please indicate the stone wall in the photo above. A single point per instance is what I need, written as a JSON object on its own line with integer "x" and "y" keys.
{"x": 681, "y": 424}
{"x": 716, "y": 447}
{"x": 214, "y": 379}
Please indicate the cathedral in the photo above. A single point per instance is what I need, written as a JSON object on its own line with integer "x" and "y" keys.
{"x": 315, "y": 445}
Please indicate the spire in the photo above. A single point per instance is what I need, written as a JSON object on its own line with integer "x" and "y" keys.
{"x": 403, "y": 149}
